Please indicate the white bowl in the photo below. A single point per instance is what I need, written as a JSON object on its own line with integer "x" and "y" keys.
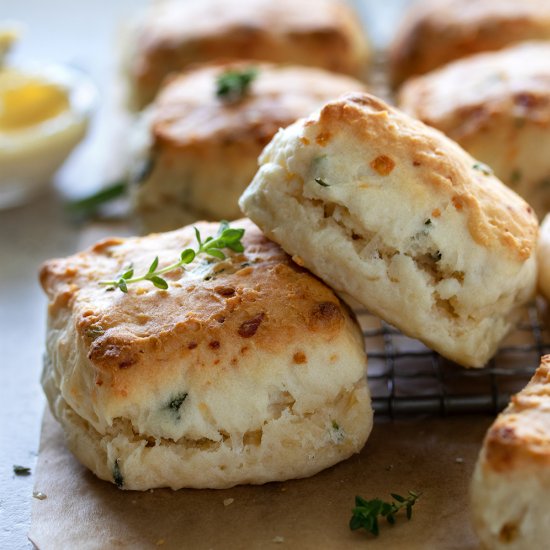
{"x": 31, "y": 156}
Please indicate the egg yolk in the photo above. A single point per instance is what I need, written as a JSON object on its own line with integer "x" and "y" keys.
{"x": 26, "y": 100}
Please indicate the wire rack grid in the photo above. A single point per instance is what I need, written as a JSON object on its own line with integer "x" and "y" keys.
{"x": 406, "y": 378}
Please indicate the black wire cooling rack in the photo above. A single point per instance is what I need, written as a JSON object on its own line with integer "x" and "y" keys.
{"x": 407, "y": 379}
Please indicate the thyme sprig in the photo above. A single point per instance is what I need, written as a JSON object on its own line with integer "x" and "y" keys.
{"x": 91, "y": 203}
{"x": 227, "y": 237}
{"x": 366, "y": 512}
{"x": 232, "y": 85}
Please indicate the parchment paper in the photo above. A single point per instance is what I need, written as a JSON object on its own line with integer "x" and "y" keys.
{"x": 432, "y": 455}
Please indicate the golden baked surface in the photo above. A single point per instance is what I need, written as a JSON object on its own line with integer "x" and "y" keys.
{"x": 512, "y": 476}
{"x": 187, "y": 110}
{"x": 497, "y": 106}
{"x": 259, "y": 298}
{"x": 230, "y": 357}
{"x": 435, "y": 32}
{"x": 419, "y": 231}
{"x": 173, "y": 35}
{"x": 521, "y": 434}
{"x": 200, "y": 146}
{"x": 495, "y": 217}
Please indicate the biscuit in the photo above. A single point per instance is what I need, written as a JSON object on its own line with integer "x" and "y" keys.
{"x": 171, "y": 36}
{"x": 496, "y": 106}
{"x": 203, "y": 150}
{"x": 397, "y": 216}
{"x": 245, "y": 370}
{"x": 543, "y": 255}
{"x": 511, "y": 482}
{"x": 434, "y": 32}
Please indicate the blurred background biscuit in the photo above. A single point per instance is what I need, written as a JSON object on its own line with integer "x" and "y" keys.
{"x": 434, "y": 32}
{"x": 172, "y": 35}
{"x": 497, "y": 106}
{"x": 197, "y": 149}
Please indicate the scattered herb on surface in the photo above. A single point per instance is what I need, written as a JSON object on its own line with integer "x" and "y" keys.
{"x": 366, "y": 512}
{"x": 428, "y": 222}
{"x": 21, "y": 470}
{"x": 322, "y": 182}
{"x": 483, "y": 168}
{"x": 117, "y": 474}
{"x": 90, "y": 204}
{"x": 436, "y": 256}
{"x": 227, "y": 237}
{"x": 233, "y": 84}
{"x": 143, "y": 171}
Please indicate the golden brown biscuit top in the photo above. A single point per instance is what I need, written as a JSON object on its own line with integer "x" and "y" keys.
{"x": 173, "y": 21}
{"x": 255, "y": 300}
{"x": 188, "y": 110}
{"x": 496, "y": 216}
{"x": 464, "y": 13}
{"x": 521, "y": 434}
{"x": 466, "y": 95}
{"x": 463, "y": 27}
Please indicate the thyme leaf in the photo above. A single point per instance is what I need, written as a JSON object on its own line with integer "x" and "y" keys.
{"x": 232, "y": 85}
{"x": 322, "y": 182}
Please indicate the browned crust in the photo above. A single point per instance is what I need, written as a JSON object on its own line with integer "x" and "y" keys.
{"x": 521, "y": 96}
{"x": 521, "y": 434}
{"x": 435, "y": 32}
{"x": 261, "y": 300}
{"x": 496, "y": 217}
{"x": 187, "y": 113}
